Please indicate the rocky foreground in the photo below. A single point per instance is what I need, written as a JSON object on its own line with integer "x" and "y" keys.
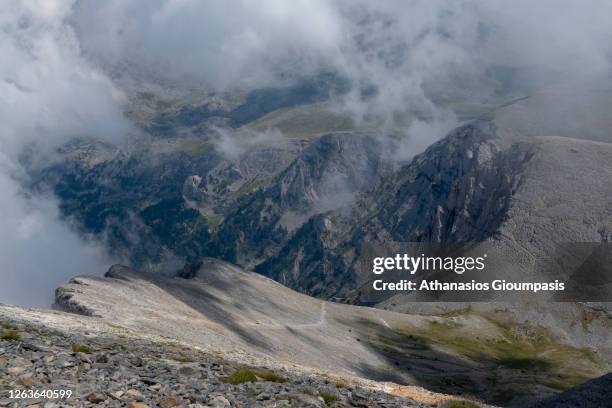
{"x": 123, "y": 371}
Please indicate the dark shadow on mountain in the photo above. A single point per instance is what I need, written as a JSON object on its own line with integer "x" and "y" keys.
{"x": 258, "y": 103}
{"x": 594, "y": 393}
{"x": 419, "y": 360}
{"x": 209, "y": 305}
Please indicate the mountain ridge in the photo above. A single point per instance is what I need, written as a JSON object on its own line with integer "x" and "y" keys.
{"x": 216, "y": 304}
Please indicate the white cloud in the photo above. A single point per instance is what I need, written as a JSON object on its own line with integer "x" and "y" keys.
{"x": 38, "y": 251}
{"x": 48, "y": 95}
{"x": 400, "y": 48}
{"x": 233, "y": 144}
{"x": 220, "y": 42}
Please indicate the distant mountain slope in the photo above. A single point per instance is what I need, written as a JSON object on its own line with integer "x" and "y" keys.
{"x": 481, "y": 183}
{"x": 166, "y": 116}
{"x": 192, "y": 199}
{"x": 327, "y": 175}
{"x": 291, "y": 208}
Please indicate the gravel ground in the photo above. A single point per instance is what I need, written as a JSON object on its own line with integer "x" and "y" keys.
{"x": 117, "y": 371}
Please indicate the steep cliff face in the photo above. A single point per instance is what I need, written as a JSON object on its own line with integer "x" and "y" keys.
{"x": 190, "y": 198}
{"x": 157, "y": 201}
{"x": 458, "y": 190}
{"x": 480, "y": 183}
{"x": 132, "y": 197}
{"x": 300, "y": 211}
{"x": 326, "y": 176}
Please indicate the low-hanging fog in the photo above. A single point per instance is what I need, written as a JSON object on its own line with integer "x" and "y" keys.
{"x": 61, "y": 61}
{"x": 48, "y": 94}
{"x": 398, "y": 48}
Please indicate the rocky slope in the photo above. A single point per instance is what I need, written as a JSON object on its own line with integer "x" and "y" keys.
{"x": 483, "y": 354}
{"x": 174, "y": 192}
{"x": 301, "y": 211}
{"x": 523, "y": 194}
{"x": 518, "y": 177}
{"x": 325, "y": 176}
{"x": 207, "y": 160}
{"x": 101, "y": 365}
{"x": 234, "y": 198}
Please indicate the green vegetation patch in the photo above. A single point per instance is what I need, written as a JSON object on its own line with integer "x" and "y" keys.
{"x": 78, "y": 348}
{"x": 8, "y": 326}
{"x": 529, "y": 351}
{"x": 45, "y": 334}
{"x": 328, "y": 397}
{"x": 460, "y": 404}
{"x": 245, "y": 375}
{"x": 11, "y": 335}
{"x": 241, "y": 376}
{"x": 118, "y": 346}
{"x": 195, "y": 147}
{"x": 214, "y": 221}
{"x": 270, "y": 376}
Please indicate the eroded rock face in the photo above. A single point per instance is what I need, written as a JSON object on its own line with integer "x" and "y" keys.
{"x": 327, "y": 175}
{"x": 190, "y": 200}
{"x": 157, "y": 201}
{"x": 478, "y": 184}
{"x": 300, "y": 212}
{"x": 458, "y": 190}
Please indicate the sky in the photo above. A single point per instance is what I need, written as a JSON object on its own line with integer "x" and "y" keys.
{"x": 60, "y": 60}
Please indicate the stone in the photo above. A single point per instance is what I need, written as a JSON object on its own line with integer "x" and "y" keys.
{"x": 154, "y": 387}
{"x": 169, "y": 402}
{"x": 117, "y": 394}
{"x": 158, "y": 382}
{"x": 102, "y": 358}
{"x": 219, "y": 402}
{"x": 83, "y": 357}
{"x": 186, "y": 370}
{"x": 137, "y": 405}
{"x": 15, "y": 370}
{"x": 27, "y": 380}
{"x": 95, "y": 397}
{"x": 308, "y": 400}
{"x": 134, "y": 394}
